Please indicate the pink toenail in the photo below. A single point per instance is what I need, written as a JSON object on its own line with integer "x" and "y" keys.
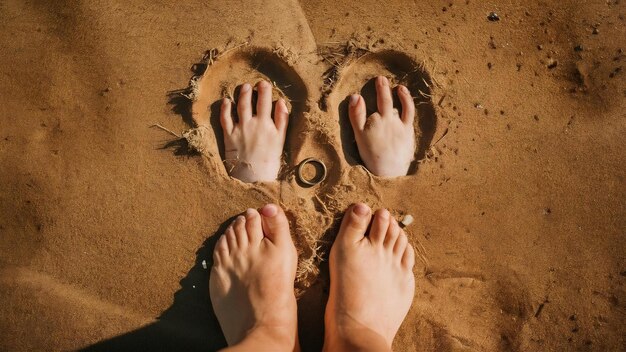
{"x": 360, "y": 209}
{"x": 245, "y": 87}
{"x": 269, "y": 210}
{"x": 354, "y": 99}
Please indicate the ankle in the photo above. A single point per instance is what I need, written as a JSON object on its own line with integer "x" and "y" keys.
{"x": 354, "y": 339}
{"x": 272, "y": 338}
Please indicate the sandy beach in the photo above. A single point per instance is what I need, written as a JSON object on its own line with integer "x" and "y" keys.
{"x": 110, "y": 200}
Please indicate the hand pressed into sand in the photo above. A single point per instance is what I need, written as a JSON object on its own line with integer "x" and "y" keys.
{"x": 386, "y": 140}
{"x": 254, "y": 144}
{"x": 251, "y": 282}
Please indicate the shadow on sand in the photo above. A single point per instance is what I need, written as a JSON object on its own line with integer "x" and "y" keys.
{"x": 189, "y": 324}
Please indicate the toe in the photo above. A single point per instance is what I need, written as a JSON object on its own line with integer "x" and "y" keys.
{"x": 380, "y": 224}
{"x": 384, "y": 99}
{"x": 275, "y": 224}
{"x": 357, "y": 113}
{"x": 231, "y": 240}
{"x": 355, "y": 223}
{"x": 408, "y": 258}
{"x": 220, "y": 252}
{"x": 408, "y": 107}
{"x": 241, "y": 235}
{"x": 392, "y": 234}
{"x": 226, "y": 118}
{"x": 253, "y": 226}
{"x": 244, "y": 106}
{"x": 281, "y": 116}
{"x": 264, "y": 101}
{"x": 400, "y": 245}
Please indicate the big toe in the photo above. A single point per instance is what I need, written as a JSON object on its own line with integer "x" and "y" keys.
{"x": 275, "y": 224}
{"x": 355, "y": 223}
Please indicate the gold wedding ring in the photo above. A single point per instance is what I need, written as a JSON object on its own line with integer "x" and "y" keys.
{"x": 320, "y": 168}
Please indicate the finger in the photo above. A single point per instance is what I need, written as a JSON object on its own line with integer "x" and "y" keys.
{"x": 244, "y": 106}
{"x": 408, "y": 107}
{"x": 384, "y": 99}
{"x": 281, "y": 115}
{"x": 264, "y": 101}
{"x": 226, "y": 119}
{"x": 356, "y": 112}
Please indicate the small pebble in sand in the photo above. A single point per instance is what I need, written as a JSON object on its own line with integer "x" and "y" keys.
{"x": 578, "y": 48}
{"x": 552, "y": 63}
{"x": 595, "y": 31}
{"x": 493, "y": 17}
{"x": 204, "y": 266}
{"x": 407, "y": 220}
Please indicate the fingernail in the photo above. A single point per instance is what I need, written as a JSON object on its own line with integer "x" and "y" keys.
{"x": 269, "y": 210}
{"x": 246, "y": 87}
{"x": 360, "y": 209}
{"x": 353, "y": 100}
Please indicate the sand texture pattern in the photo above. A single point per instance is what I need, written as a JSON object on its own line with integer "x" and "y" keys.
{"x": 518, "y": 189}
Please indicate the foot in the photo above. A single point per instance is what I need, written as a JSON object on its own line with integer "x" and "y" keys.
{"x": 371, "y": 282}
{"x": 251, "y": 283}
{"x": 254, "y": 144}
{"x": 386, "y": 140}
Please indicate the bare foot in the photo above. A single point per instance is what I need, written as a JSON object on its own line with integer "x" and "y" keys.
{"x": 386, "y": 140}
{"x": 371, "y": 282}
{"x": 254, "y": 144}
{"x": 251, "y": 282}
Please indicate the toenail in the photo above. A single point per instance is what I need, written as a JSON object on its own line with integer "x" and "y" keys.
{"x": 384, "y": 214}
{"x": 269, "y": 210}
{"x": 354, "y": 99}
{"x": 404, "y": 89}
{"x": 245, "y": 87}
{"x": 360, "y": 209}
{"x": 250, "y": 212}
{"x": 383, "y": 80}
